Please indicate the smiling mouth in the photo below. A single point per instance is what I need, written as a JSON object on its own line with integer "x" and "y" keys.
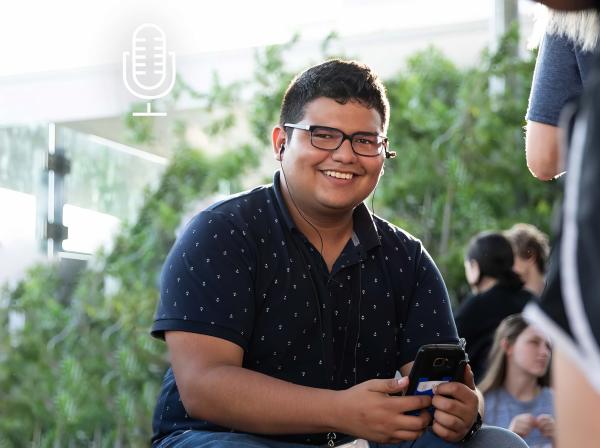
{"x": 338, "y": 175}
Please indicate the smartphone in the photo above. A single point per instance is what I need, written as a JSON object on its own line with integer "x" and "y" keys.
{"x": 435, "y": 364}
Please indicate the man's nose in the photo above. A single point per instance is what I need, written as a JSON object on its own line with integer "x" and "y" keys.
{"x": 344, "y": 153}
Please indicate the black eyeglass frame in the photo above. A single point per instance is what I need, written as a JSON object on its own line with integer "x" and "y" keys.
{"x": 311, "y": 127}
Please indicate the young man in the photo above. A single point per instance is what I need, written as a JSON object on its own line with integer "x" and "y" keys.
{"x": 531, "y": 249}
{"x": 288, "y": 309}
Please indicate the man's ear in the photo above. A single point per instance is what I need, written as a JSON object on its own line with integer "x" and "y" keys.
{"x": 278, "y": 138}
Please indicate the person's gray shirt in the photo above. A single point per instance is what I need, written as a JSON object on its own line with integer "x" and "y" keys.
{"x": 501, "y": 407}
{"x": 560, "y": 72}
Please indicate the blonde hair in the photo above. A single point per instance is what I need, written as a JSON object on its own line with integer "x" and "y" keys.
{"x": 580, "y": 27}
{"x": 508, "y": 330}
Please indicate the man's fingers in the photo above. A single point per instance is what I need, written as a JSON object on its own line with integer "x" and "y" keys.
{"x": 414, "y": 422}
{"x": 445, "y": 432}
{"x": 469, "y": 377}
{"x": 457, "y": 391}
{"x": 413, "y": 402}
{"x": 448, "y": 405}
{"x": 389, "y": 386}
{"x": 449, "y": 421}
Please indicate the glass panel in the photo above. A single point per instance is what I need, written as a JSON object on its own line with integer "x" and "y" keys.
{"x": 19, "y": 246}
{"x": 22, "y": 157}
{"x": 104, "y": 187}
{"x": 106, "y": 176}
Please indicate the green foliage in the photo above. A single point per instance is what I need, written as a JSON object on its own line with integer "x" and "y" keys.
{"x": 83, "y": 370}
{"x": 139, "y": 129}
{"x": 461, "y": 166}
{"x": 272, "y": 79}
{"x": 87, "y": 366}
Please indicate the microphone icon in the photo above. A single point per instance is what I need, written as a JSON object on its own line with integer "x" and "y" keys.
{"x": 146, "y": 67}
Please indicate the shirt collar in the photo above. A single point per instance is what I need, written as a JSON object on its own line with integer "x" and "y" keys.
{"x": 365, "y": 233}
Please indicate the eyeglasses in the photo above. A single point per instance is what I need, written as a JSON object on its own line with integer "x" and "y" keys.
{"x": 366, "y": 144}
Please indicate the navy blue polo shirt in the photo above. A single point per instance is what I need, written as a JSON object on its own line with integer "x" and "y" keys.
{"x": 242, "y": 271}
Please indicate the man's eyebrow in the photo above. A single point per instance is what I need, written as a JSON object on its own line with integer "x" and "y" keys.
{"x": 368, "y": 132}
{"x": 351, "y": 133}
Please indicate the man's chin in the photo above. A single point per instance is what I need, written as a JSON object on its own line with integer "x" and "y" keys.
{"x": 338, "y": 207}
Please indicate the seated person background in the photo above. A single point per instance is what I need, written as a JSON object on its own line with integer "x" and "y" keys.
{"x": 531, "y": 249}
{"x": 288, "y": 309}
{"x": 516, "y": 384}
{"x": 497, "y": 292}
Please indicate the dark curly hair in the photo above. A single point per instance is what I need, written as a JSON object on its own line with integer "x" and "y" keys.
{"x": 339, "y": 80}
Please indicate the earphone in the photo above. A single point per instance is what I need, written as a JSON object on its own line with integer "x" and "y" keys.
{"x": 316, "y": 290}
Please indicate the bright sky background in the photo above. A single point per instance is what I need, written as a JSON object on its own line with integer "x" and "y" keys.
{"x": 38, "y": 36}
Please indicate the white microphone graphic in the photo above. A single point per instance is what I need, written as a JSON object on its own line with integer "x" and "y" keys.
{"x": 149, "y": 72}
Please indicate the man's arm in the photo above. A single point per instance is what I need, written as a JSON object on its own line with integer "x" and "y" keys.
{"x": 542, "y": 151}
{"x": 215, "y": 387}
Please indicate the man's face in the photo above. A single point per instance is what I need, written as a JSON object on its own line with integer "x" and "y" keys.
{"x": 328, "y": 182}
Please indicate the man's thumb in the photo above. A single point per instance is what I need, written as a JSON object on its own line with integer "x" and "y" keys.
{"x": 469, "y": 377}
{"x": 394, "y": 385}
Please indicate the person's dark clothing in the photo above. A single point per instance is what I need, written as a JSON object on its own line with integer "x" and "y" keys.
{"x": 478, "y": 317}
{"x": 243, "y": 272}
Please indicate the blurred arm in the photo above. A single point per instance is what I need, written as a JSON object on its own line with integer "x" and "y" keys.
{"x": 577, "y": 405}
{"x": 542, "y": 150}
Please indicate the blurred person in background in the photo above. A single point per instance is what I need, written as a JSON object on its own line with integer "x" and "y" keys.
{"x": 569, "y": 309}
{"x": 531, "y": 250}
{"x": 497, "y": 292}
{"x": 562, "y": 67}
{"x": 516, "y": 385}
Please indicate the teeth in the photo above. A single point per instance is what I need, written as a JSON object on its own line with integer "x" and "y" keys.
{"x": 339, "y": 175}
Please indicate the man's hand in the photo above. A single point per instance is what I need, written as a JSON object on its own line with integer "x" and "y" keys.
{"x": 522, "y": 424}
{"x": 456, "y": 406}
{"x": 545, "y": 424}
{"x": 368, "y": 411}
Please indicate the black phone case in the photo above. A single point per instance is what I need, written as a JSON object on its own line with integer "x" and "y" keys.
{"x": 437, "y": 362}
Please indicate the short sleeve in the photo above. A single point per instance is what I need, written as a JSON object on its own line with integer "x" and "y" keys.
{"x": 207, "y": 282}
{"x": 429, "y": 315}
{"x": 556, "y": 80}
